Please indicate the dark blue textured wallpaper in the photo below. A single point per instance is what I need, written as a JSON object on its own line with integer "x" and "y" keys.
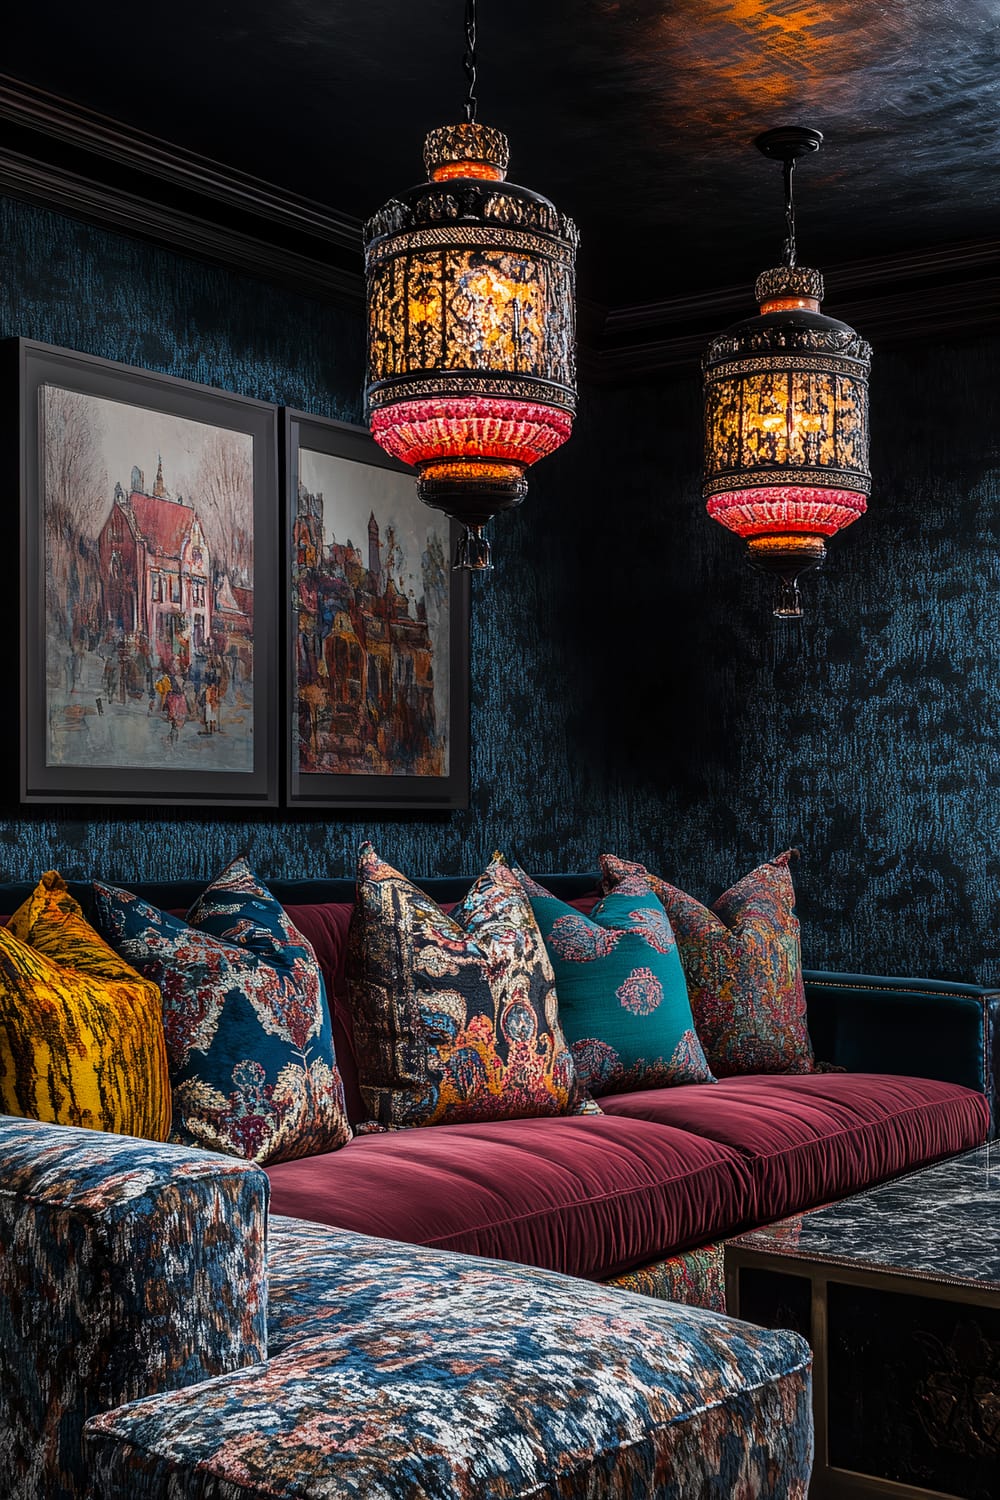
{"x": 869, "y": 739}
{"x": 630, "y": 690}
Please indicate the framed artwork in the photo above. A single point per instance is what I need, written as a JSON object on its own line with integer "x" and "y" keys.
{"x": 148, "y": 583}
{"x": 378, "y": 648}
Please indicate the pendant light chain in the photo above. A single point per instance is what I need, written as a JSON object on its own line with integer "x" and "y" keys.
{"x": 470, "y": 60}
{"x": 788, "y": 250}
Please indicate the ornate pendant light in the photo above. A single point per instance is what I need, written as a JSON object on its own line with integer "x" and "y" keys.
{"x": 471, "y": 325}
{"x": 786, "y": 413}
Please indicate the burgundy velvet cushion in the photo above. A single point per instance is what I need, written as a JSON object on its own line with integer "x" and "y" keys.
{"x": 586, "y": 1195}
{"x": 325, "y": 925}
{"x": 810, "y": 1138}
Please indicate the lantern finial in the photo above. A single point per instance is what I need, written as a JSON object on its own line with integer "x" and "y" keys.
{"x": 466, "y": 150}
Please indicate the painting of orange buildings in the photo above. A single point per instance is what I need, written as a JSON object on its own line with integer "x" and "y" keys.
{"x": 156, "y": 568}
{"x": 149, "y": 588}
{"x": 366, "y": 654}
{"x": 158, "y": 581}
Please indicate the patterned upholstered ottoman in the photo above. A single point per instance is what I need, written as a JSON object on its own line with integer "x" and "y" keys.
{"x": 396, "y": 1372}
{"x": 389, "y": 1371}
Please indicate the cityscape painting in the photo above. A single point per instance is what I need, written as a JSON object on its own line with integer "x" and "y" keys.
{"x": 378, "y": 655}
{"x": 143, "y": 667}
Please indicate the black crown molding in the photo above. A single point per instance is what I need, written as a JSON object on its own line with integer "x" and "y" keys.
{"x": 889, "y": 299}
{"x": 64, "y": 156}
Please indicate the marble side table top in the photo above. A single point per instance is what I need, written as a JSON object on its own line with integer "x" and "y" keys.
{"x": 942, "y": 1222}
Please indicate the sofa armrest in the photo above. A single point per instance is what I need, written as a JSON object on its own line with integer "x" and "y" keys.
{"x": 127, "y": 1268}
{"x": 927, "y": 1028}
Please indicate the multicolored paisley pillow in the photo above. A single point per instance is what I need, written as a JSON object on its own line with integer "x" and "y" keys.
{"x": 245, "y": 1013}
{"x": 743, "y": 966}
{"x": 81, "y": 1033}
{"x": 623, "y": 1002}
{"x": 455, "y": 1017}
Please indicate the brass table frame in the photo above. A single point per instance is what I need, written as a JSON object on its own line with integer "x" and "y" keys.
{"x": 829, "y": 1482}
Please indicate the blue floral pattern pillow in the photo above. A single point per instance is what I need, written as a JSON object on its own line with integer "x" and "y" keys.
{"x": 249, "y": 1039}
{"x": 623, "y": 1000}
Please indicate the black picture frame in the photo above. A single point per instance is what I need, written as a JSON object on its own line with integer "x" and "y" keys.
{"x": 355, "y": 724}
{"x": 206, "y": 624}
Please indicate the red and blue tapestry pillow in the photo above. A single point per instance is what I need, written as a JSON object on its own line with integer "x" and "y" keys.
{"x": 455, "y": 1016}
{"x": 623, "y": 1002}
{"x": 743, "y": 967}
{"x": 249, "y": 1040}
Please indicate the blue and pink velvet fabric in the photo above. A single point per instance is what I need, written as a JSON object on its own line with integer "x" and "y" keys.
{"x": 351, "y": 1367}
{"x": 396, "y": 1372}
{"x": 126, "y": 1267}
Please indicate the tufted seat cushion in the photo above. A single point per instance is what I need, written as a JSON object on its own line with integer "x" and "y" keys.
{"x": 809, "y": 1138}
{"x": 587, "y": 1195}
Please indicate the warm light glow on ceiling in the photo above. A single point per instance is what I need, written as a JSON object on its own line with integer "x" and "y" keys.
{"x": 762, "y": 55}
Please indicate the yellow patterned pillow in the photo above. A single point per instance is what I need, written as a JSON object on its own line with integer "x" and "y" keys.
{"x": 81, "y": 1033}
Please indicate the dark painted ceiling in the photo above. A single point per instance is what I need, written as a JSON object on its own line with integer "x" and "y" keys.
{"x": 634, "y": 116}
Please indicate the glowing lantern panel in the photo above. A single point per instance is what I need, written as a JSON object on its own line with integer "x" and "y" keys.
{"x": 471, "y": 347}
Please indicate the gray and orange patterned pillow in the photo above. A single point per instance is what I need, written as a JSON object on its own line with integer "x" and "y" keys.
{"x": 455, "y": 1016}
{"x": 743, "y": 967}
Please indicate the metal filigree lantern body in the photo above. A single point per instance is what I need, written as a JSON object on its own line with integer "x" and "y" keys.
{"x": 471, "y": 330}
{"x": 786, "y": 426}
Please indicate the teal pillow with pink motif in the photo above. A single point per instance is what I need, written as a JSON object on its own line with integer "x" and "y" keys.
{"x": 743, "y": 966}
{"x": 623, "y": 1002}
{"x": 245, "y": 1013}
